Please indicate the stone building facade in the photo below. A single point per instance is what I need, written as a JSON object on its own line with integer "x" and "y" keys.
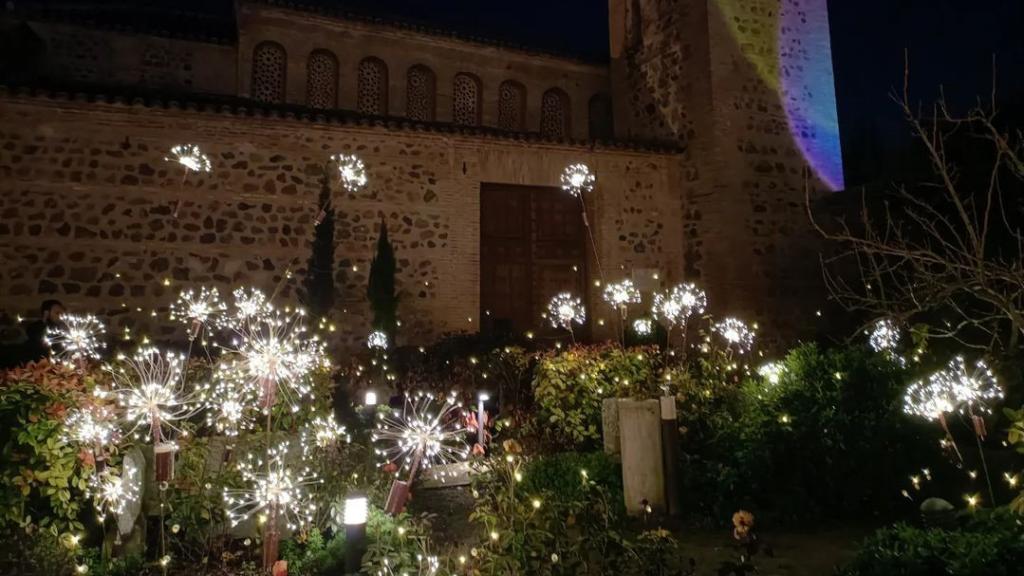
{"x": 700, "y": 176}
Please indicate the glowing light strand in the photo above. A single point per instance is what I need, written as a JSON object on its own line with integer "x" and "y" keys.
{"x": 422, "y": 435}
{"x": 150, "y": 390}
{"x": 77, "y": 340}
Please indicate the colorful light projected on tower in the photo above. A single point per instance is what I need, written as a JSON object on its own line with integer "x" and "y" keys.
{"x": 787, "y": 43}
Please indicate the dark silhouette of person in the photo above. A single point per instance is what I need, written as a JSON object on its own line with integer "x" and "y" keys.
{"x": 36, "y": 346}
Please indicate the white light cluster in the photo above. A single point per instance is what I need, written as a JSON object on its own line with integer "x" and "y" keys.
{"x": 276, "y": 491}
{"x": 78, "y": 338}
{"x": 92, "y": 426}
{"x": 191, "y": 157}
{"x": 229, "y": 398}
{"x": 422, "y": 433}
{"x": 198, "y": 308}
{"x": 621, "y": 294}
{"x": 351, "y": 170}
{"x": 735, "y": 333}
{"x": 149, "y": 388}
{"x": 679, "y": 304}
{"x": 377, "y": 340}
{"x": 643, "y": 326}
{"x": 954, "y": 388}
{"x": 577, "y": 179}
{"x": 112, "y": 492}
{"x": 324, "y": 431}
{"x": 564, "y": 310}
{"x": 772, "y": 372}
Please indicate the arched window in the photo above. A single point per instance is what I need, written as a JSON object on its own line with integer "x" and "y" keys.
{"x": 512, "y": 106}
{"x": 466, "y": 100}
{"x": 268, "y": 72}
{"x": 554, "y": 114}
{"x": 322, "y": 80}
{"x": 420, "y": 93}
{"x": 372, "y": 95}
{"x": 600, "y": 117}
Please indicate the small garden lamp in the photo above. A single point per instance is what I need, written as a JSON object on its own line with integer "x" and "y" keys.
{"x": 482, "y": 398}
{"x": 356, "y": 511}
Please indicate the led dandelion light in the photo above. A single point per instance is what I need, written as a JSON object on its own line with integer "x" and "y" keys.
{"x": 249, "y": 304}
{"x": 323, "y": 432}
{"x": 79, "y": 339}
{"x": 197, "y": 308}
{"x": 564, "y": 310}
{"x": 772, "y": 372}
{"x": 577, "y": 179}
{"x": 149, "y": 388}
{"x": 679, "y": 304}
{"x": 420, "y": 437}
{"x": 736, "y": 334}
{"x": 229, "y": 398}
{"x": 643, "y": 326}
{"x": 193, "y": 160}
{"x": 275, "y": 354}
{"x": 93, "y": 427}
{"x": 112, "y": 493}
{"x": 954, "y": 388}
{"x": 884, "y": 336}
{"x": 377, "y": 340}
{"x": 191, "y": 157}
{"x": 620, "y": 295}
{"x": 351, "y": 170}
{"x": 276, "y": 492}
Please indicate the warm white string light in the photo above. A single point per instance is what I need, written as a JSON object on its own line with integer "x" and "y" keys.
{"x": 955, "y": 388}
{"x": 621, "y": 294}
{"x": 643, "y": 326}
{"x": 377, "y": 340}
{"x": 149, "y": 388}
{"x": 564, "y": 310}
{"x": 112, "y": 492}
{"x": 421, "y": 436}
{"x": 197, "y": 308}
{"x": 772, "y": 372}
{"x": 191, "y": 157}
{"x": 676, "y": 306}
{"x": 578, "y": 179}
{"x": 736, "y": 334}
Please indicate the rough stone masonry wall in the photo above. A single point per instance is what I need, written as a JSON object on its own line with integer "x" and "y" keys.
{"x": 86, "y": 202}
{"x": 719, "y": 75}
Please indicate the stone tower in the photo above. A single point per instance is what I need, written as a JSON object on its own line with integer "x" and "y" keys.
{"x": 746, "y": 86}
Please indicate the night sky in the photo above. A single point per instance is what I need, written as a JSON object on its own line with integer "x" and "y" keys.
{"x": 950, "y": 43}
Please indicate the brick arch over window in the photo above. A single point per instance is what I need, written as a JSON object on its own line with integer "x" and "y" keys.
{"x": 599, "y": 116}
{"x": 372, "y": 87}
{"x": 322, "y": 79}
{"x": 554, "y": 114}
{"x": 466, "y": 91}
{"x": 512, "y": 106}
{"x": 269, "y": 72}
{"x": 420, "y": 93}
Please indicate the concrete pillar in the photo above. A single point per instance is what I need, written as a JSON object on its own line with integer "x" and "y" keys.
{"x": 643, "y": 475}
{"x": 610, "y": 425}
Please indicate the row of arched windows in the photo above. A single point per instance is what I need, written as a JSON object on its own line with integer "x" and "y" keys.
{"x": 269, "y": 73}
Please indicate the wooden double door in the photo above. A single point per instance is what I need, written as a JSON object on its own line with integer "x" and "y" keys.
{"x": 532, "y": 246}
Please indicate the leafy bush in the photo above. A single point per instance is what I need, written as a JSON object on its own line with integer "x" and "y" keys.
{"x": 568, "y": 388}
{"x": 315, "y": 556}
{"x": 559, "y": 476}
{"x": 990, "y": 543}
{"x": 828, "y": 440}
{"x": 42, "y": 478}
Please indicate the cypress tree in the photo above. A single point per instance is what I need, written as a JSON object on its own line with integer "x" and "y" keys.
{"x": 318, "y": 291}
{"x": 381, "y": 288}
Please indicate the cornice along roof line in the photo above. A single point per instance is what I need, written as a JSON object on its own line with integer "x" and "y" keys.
{"x": 252, "y": 108}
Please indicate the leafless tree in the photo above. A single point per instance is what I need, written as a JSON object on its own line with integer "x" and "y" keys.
{"x": 947, "y": 252}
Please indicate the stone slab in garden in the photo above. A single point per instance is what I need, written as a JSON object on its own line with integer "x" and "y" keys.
{"x": 446, "y": 476}
{"x": 643, "y": 476}
{"x": 610, "y": 425}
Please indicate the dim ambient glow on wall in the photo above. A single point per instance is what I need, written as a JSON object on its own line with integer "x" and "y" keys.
{"x": 787, "y": 42}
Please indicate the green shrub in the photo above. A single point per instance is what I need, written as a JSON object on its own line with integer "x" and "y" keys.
{"x": 568, "y": 387}
{"x": 561, "y": 476}
{"x": 315, "y": 556}
{"x": 828, "y": 440}
{"x": 989, "y": 543}
{"x": 42, "y": 478}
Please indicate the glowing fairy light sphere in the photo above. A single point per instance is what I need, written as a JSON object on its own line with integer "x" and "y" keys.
{"x": 149, "y": 388}
{"x": 564, "y": 310}
{"x": 678, "y": 305}
{"x": 229, "y": 399}
{"x": 80, "y": 338}
{"x": 377, "y": 340}
{"x": 621, "y": 294}
{"x": 191, "y": 157}
{"x": 423, "y": 435}
{"x": 957, "y": 388}
{"x": 197, "y": 308}
{"x": 735, "y": 333}
{"x": 272, "y": 350}
{"x": 885, "y": 336}
{"x": 324, "y": 431}
{"x": 273, "y": 489}
{"x": 352, "y": 171}
{"x": 643, "y": 326}
{"x": 577, "y": 179}
{"x": 772, "y": 372}
{"x": 112, "y": 492}
{"x": 92, "y": 426}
